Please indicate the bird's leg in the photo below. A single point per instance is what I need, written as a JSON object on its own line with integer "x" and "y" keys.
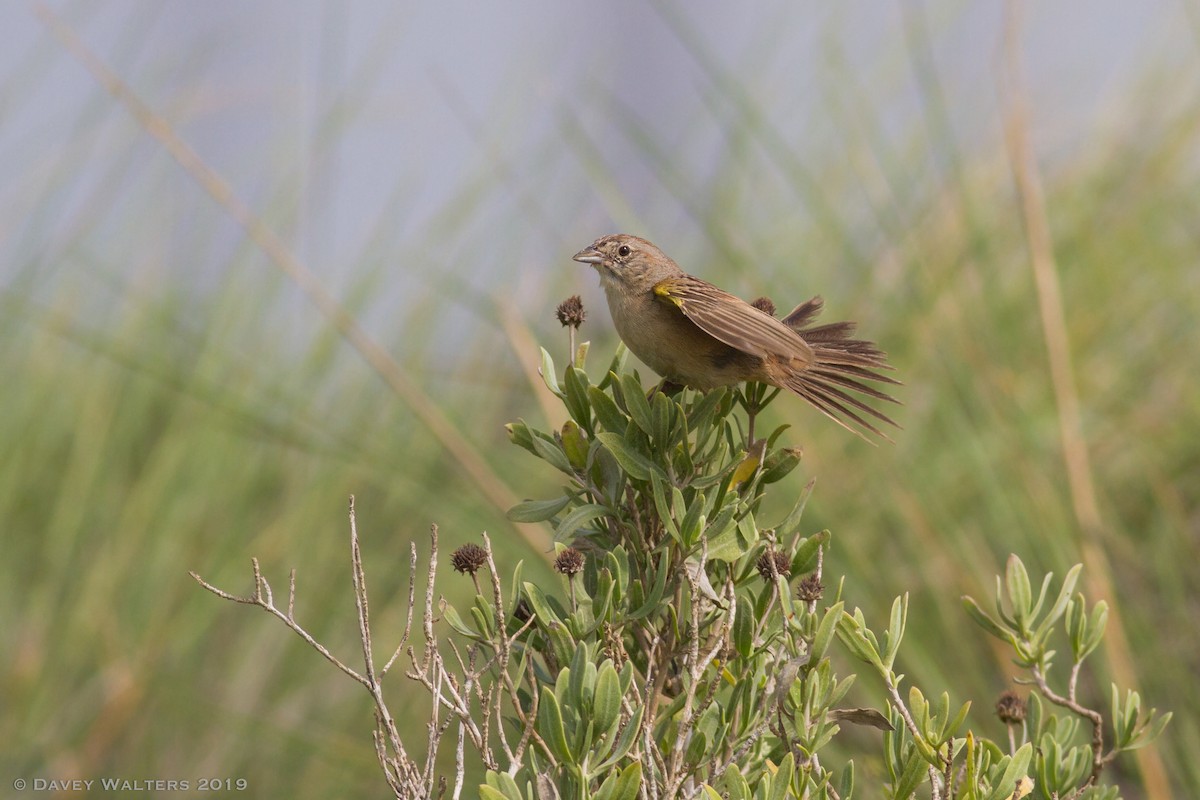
{"x": 667, "y": 387}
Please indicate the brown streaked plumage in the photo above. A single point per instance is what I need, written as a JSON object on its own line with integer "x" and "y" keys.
{"x": 696, "y": 334}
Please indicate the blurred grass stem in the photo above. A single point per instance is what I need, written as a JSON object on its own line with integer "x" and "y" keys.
{"x": 426, "y": 409}
{"x": 1035, "y": 219}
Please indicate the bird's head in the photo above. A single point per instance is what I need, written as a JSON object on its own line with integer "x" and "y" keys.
{"x": 627, "y": 262}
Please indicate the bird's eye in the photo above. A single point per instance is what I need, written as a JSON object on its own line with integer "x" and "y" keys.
{"x": 623, "y": 250}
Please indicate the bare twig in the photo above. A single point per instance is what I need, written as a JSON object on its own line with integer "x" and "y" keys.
{"x": 694, "y": 670}
{"x": 503, "y": 644}
{"x": 262, "y": 599}
{"x": 1074, "y": 706}
{"x": 897, "y": 702}
{"x": 383, "y": 713}
{"x": 412, "y": 596}
{"x": 650, "y": 691}
{"x": 400, "y": 771}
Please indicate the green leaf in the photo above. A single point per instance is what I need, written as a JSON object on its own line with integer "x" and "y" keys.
{"x": 636, "y": 404}
{"x": 736, "y": 785}
{"x": 775, "y": 434}
{"x": 747, "y": 531}
{"x": 1153, "y": 728}
{"x": 1124, "y": 719}
{"x": 1095, "y": 630}
{"x": 617, "y": 366}
{"x": 625, "y": 741}
{"x": 488, "y": 793}
{"x": 846, "y": 782}
{"x": 549, "y": 374}
{"x": 825, "y": 631}
{"x": 611, "y": 417}
{"x": 606, "y": 704}
{"x": 576, "y": 397}
{"x": 574, "y": 444}
{"x": 662, "y": 413}
{"x": 1020, "y": 593}
{"x": 626, "y": 676}
{"x": 620, "y": 566}
{"x": 637, "y": 593}
{"x": 985, "y": 620}
{"x": 919, "y": 708}
{"x": 1037, "y": 605}
{"x": 660, "y": 587}
{"x": 952, "y": 727}
{"x": 633, "y": 462}
{"x": 514, "y": 596}
{"x": 805, "y": 559}
{"x": 550, "y": 727}
{"x": 692, "y": 523}
{"x": 1060, "y": 604}
{"x": 743, "y": 627}
{"x": 697, "y": 747}
{"x": 537, "y": 510}
{"x": 895, "y": 630}
{"x": 484, "y": 617}
{"x": 1016, "y": 768}
{"x": 578, "y": 517}
{"x": 853, "y": 635}
{"x": 579, "y": 693}
{"x": 606, "y": 473}
{"x": 791, "y": 522}
{"x": 662, "y": 505}
{"x": 629, "y": 783}
{"x": 561, "y": 640}
{"x": 914, "y": 772}
{"x": 503, "y": 782}
{"x": 701, "y": 414}
{"x": 724, "y": 541}
{"x": 455, "y": 621}
{"x": 545, "y": 613}
{"x": 602, "y": 599}
{"x": 780, "y": 464}
{"x": 553, "y": 454}
{"x": 782, "y": 781}
{"x": 520, "y": 435}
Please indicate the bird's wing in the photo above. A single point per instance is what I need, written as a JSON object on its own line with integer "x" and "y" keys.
{"x": 731, "y": 319}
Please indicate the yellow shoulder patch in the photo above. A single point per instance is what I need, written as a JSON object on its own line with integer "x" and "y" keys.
{"x": 666, "y": 290}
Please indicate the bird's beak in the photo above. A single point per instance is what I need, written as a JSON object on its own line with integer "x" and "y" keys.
{"x": 588, "y": 255}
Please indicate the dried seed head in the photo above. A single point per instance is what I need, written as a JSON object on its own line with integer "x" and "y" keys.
{"x": 468, "y": 558}
{"x": 773, "y": 563}
{"x": 1010, "y": 708}
{"x": 569, "y": 562}
{"x": 570, "y": 312}
{"x": 810, "y": 589}
{"x": 764, "y": 305}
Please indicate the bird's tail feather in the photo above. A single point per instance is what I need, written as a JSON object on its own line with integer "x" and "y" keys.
{"x": 840, "y": 366}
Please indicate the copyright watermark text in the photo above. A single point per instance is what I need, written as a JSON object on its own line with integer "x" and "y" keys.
{"x": 131, "y": 785}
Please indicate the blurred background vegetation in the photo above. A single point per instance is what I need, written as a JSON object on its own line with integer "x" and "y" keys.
{"x": 173, "y": 402}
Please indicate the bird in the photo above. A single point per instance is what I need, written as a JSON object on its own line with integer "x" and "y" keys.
{"x": 697, "y": 335}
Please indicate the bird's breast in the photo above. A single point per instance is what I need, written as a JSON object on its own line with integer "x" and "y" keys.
{"x": 670, "y": 344}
